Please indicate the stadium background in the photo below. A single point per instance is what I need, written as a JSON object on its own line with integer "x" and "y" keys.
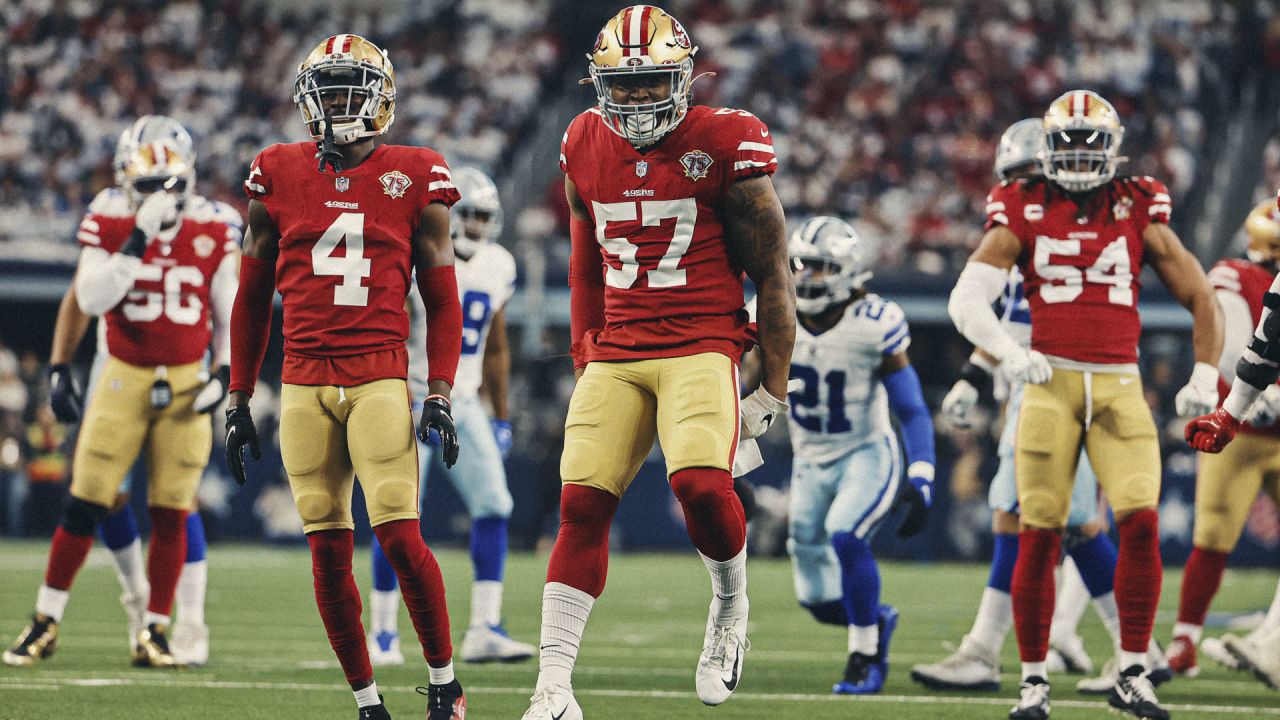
{"x": 886, "y": 113}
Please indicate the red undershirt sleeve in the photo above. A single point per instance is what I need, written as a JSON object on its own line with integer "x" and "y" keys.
{"x": 586, "y": 288}
{"x": 251, "y": 321}
{"x": 439, "y": 288}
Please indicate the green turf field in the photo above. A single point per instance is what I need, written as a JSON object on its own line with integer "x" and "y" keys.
{"x": 270, "y": 658}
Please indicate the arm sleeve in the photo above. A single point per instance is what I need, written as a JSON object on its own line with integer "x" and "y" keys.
{"x": 103, "y": 279}
{"x": 439, "y": 289}
{"x": 251, "y": 321}
{"x": 907, "y": 402}
{"x": 970, "y": 309}
{"x": 222, "y": 297}
{"x": 586, "y": 288}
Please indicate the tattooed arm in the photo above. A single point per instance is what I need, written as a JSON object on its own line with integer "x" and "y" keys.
{"x": 756, "y": 233}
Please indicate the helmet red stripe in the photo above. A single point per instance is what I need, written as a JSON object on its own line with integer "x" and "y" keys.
{"x": 346, "y": 45}
{"x": 1086, "y": 104}
{"x": 644, "y": 30}
{"x": 626, "y": 26}
{"x": 328, "y": 46}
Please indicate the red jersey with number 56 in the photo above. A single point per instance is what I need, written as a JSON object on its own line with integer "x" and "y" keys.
{"x": 1081, "y": 257}
{"x": 345, "y": 259}
{"x": 671, "y": 288}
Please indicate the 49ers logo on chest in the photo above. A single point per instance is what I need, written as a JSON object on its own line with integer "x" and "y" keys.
{"x": 395, "y": 183}
{"x": 696, "y": 164}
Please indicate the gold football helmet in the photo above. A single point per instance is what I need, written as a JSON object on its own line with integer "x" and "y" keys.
{"x": 148, "y": 167}
{"x": 1082, "y": 141}
{"x": 349, "y": 81}
{"x": 1263, "y": 228}
{"x": 643, "y": 45}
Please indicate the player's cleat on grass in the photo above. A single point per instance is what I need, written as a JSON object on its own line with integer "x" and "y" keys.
{"x": 1033, "y": 700}
{"x": 384, "y": 649}
{"x": 1134, "y": 694}
{"x": 1182, "y": 657}
{"x": 972, "y": 667}
{"x": 153, "y": 649}
{"x": 1158, "y": 671}
{"x": 445, "y": 702}
{"x": 135, "y": 607}
{"x": 37, "y": 642}
{"x": 553, "y": 702}
{"x": 375, "y": 712}
{"x": 720, "y": 664}
{"x": 1216, "y": 650}
{"x": 862, "y": 676}
{"x": 1068, "y": 655}
{"x": 492, "y": 644}
{"x": 190, "y": 643}
{"x": 1259, "y": 653}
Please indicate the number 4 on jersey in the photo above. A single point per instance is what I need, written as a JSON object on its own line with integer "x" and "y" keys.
{"x": 352, "y": 268}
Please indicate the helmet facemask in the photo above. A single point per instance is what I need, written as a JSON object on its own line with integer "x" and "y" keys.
{"x": 1081, "y": 158}
{"x": 161, "y": 166}
{"x": 820, "y": 283}
{"x": 472, "y": 228}
{"x": 643, "y": 123}
{"x": 351, "y": 95}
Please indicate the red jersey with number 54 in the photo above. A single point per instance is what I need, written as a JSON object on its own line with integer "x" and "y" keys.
{"x": 1081, "y": 257}
{"x": 345, "y": 259}
{"x": 671, "y": 288}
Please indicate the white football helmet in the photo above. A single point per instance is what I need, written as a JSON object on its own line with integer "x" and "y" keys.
{"x": 824, "y": 258}
{"x": 153, "y": 154}
{"x": 1021, "y": 145}
{"x": 477, "y": 217}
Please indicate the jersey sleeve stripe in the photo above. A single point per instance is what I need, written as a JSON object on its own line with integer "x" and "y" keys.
{"x": 896, "y": 344}
{"x": 255, "y": 187}
{"x": 1000, "y": 218}
{"x": 442, "y": 170}
{"x": 88, "y": 238}
{"x": 759, "y": 147}
{"x": 994, "y": 206}
{"x": 896, "y": 328}
{"x": 1162, "y": 198}
{"x": 439, "y": 185}
{"x": 744, "y": 164}
{"x": 563, "y": 159}
{"x": 90, "y": 224}
{"x": 1159, "y": 208}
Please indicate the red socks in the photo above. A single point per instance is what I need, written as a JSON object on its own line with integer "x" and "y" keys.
{"x": 66, "y": 554}
{"x": 580, "y": 558}
{"x": 713, "y": 514}
{"x": 339, "y": 601}
{"x": 165, "y": 554}
{"x": 1138, "y": 576}
{"x": 1200, "y": 580}
{"x": 421, "y": 586}
{"x": 1033, "y": 591}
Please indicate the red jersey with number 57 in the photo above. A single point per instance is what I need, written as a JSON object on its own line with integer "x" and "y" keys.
{"x": 345, "y": 259}
{"x": 1081, "y": 257}
{"x": 671, "y": 288}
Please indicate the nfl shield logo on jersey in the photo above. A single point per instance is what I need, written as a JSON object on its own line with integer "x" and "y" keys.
{"x": 642, "y": 168}
{"x": 395, "y": 183}
{"x": 342, "y": 183}
{"x": 696, "y": 164}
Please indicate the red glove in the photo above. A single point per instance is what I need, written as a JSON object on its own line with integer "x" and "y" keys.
{"x": 1210, "y": 433}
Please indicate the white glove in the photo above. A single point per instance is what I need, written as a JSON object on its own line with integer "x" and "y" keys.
{"x": 1027, "y": 366}
{"x": 1266, "y": 409}
{"x": 758, "y": 411}
{"x": 958, "y": 403}
{"x": 747, "y": 458}
{"x": 1200, "y": 395}
{"x": 214, "y": 391}
{"x": 158, "y": 211}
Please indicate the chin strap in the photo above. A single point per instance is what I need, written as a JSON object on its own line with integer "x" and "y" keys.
{"x": 328, "y": 151}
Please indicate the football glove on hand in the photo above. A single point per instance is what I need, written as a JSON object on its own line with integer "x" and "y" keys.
{"x": 1200, "y": 395}
{"x": 214, "y": 391}
{"x": 917, "y": 498}
{"x": 240, "y": 432}
{"x": 502, "y": 435}
{"x": 759, "y": 409}
{"x": 1027, "y": 366}
{"x": 436, "y": 416}
{"x": 1266, "y": 409}
{"x": 1211, "y": 433}
{"x": 958, "y": 403}
{"x": 64, "y": 393}
{"x": 157, "y": 212}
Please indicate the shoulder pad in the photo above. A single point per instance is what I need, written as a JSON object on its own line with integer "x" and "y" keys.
{"x": 111, "y": 202}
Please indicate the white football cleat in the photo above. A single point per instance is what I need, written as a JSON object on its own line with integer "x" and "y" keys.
{"x": 553, "y": 702}
{"x": 492, "y": 644}
{"x": 135, "y": 607}
{"x": 720, "y": 664}
{"x": 1216, "y": 650}
{"x": 190, "y": 643}
{"x": 972, "y": 667}
{"x": 384, "y": 649}
{"x": 1068, "y": 655}
{"x": 1259, "y": 652}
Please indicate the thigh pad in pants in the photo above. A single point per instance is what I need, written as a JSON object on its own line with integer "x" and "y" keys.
{"x": 610, "y": 426}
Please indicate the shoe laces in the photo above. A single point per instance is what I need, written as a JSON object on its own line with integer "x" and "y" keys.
{"x": 33, "y": 632}
{"x": 541, "y": 702}
{"x": 1140, "y": 688}
{"x": 1033, "y": 694}
{"x": 721, "y": 636}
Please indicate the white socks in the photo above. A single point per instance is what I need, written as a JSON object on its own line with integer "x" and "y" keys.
{"x": 1129, "y": 659}
{"x": 154, "y": 618}
{"x": 865, "y": 640}
{"x": 384, "y": 610}
{"x": 1073, "y": 598}
{"x": 565, "y": 611}
{"x": 131, "y": 571}
{"x": 367, "y": 697}
{"x": 729, "y": 585}
{"x": 189, "y": 601}
{"x": 1193, "y": 632}
{"x": 52, "y": 603}
{"x": 441, "y": 676}
{"x": 486, "y": 603}
{"x": 994, "y": 620}
{"x": 1272, "y": 621}
{"x": 1035, "y": 669}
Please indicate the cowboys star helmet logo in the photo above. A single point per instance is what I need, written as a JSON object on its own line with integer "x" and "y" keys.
{"x": 696, "y": 164}
{"x": 395, "y": 183}
{"x": 341, "y": 183}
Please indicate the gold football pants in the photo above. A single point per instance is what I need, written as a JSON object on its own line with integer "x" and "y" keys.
{"x": 1227, "y": 485}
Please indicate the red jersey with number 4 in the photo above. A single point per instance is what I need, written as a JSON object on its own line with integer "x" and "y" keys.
{"x": 1081, "y": 257}
{"x": 671, "y": 288}
{"x": 1250, "y": 281}
{"x": 164, "y": 318}
{"x": 346, "y": 256}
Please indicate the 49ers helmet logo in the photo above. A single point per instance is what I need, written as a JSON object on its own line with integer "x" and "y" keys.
{"x": 679, "y": 36}
{"x": 395, "y": 183}
{"x": 696, "y": 164}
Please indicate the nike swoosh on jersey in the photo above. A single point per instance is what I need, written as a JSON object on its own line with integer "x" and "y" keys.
{"x": 764, "y": 132}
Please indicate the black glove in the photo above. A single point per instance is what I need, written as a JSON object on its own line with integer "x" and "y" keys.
{"x": 64, "y": 393}
{"x": 240, "y": 432}
{"x": 917, "y": 498}
{"x": 213, "y": 391}
{"x": 436, "y": 416}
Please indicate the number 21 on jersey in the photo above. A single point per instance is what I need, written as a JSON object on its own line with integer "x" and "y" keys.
{"x": 810, "y": 396}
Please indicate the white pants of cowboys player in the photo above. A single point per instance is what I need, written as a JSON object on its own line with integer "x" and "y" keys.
{"x": 850, "y": 494}
{"x": 478, "y": 476}
{"x": 1003, "y": 494}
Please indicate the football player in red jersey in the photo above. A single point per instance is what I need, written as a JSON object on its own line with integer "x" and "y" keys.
{"x": 671, "y": 203}
{"x": 158, "y": 263}
{"x": 1080, "y": 236}
{"x": 345, "y": 402}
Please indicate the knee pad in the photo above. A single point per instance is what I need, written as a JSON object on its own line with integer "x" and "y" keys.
{"x": 816, "y": 573}
{"x": 830, "y": 612}
{"x": 82, "y": 517}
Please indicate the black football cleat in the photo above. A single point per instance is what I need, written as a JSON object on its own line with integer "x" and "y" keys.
{"x": 1134, "y": 694}
{"x": 445, "y": 702}
{"x": 37, "y": 642}
{"x": 375, "y": 712}
{"x": 1033, "y": 700}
